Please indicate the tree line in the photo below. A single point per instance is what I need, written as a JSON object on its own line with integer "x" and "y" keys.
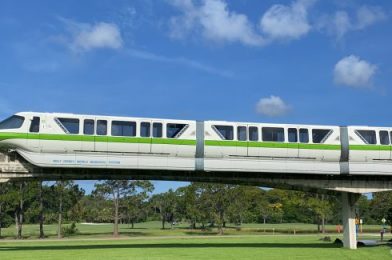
{"x": 202, "y": 205}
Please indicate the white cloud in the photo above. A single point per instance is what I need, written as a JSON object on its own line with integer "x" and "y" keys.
{"x": 86, "y": 37}
{"x": 219, "y": 22}
{"x": 214, "y": 21}
{"x": 354, "y": 72}
{"x": 101, "y": 35}
{"x": 287, "y": 22}
{"x": 340, "y": 23}
{"x": 272, "y": 106}
{"x": 369, "y": 15}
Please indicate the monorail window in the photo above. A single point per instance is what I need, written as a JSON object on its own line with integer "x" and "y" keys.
{"x": 102, "y": 127}
{"x": 273, "y": 134}
{"x": 320, "y": 135}
{"x": 241, "y": 133}
{"x": 69, "y": 125}
{"x": 13, "y": 122}
{"x": 303, "y": 135}
{"x": 88, "y": 127}
{"x": 157, "y": 130}
{"x": 226, "y": 132}
{"x": 384, "y": 138}
{"x": 368, "y": 136}
{"x": 293, "y": 135}
{"x": 34, "y": 127}
{"x": 253, "y": 133}
{"x": 174, "y": 130}
{"x": 145, "y": 129}
{"x": 123, "y": 128}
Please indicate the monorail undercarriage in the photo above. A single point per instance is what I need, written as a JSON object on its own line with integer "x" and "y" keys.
{"x": 14, "y": 167}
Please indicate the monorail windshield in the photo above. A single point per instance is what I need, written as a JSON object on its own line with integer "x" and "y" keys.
{"x": 13, "y": 122}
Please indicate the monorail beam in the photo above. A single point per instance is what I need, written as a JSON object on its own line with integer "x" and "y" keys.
{"x": 316, "y": 183}
{"x": 3, "y": 180}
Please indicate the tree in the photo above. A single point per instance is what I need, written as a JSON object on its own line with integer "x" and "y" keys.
{"x": 389, "y": 218}
{"x": 68, "y": 194}
{"x": 60, "y": 186}
{"x": 39, "y": 199}
{"x": 216, "y": 198}
{"x": 95, "y": 208}
{"x": 380, "y": 205}
{"x": 165, "y": 204}
{"x": 364, "y": 209}
{"x": 265, "y": 210}
{"x": 188, "y": 204}
{"x": 322, "y": 207}
{"x": 34, "y": 204}
{"x": 277, "y": 203}
{"x": 134, "y": 201}
{"x": 41, "y": 211}
{"x": 16, "y": 197}
{"x": 19, "y": 199}
{"x": 4, "y": 203}
{"x": 116, "y": 190}
{"x": 239, "y": 204}
{"x": 19, "y": 209}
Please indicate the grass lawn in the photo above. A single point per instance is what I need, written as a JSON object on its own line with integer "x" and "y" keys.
{"x": 245, "y": 247}
{"x": 153, "y": 228}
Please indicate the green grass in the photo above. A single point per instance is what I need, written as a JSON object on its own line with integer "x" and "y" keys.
{"x": 153, "y": 228}
{"x": 246, "y": 247}
{"x": 149, "y": 241}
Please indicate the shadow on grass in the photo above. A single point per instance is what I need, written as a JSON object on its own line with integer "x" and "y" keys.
{"x": 130, "y": 228}
{"x": 122, "y": 232}
{"x": 167, "y": 245}
{"x": 82, "y": 234}
{"x": 200, "y": 233}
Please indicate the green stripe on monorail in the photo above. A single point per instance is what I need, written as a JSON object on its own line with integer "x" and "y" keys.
{"x": 369, "y": 147}
{"x": 273, "y": 145}
{"x": 141, "y": 140}
{"x": 87, "y": 138}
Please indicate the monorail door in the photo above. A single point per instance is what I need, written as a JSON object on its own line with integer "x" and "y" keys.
{"x": 33, "y": 139}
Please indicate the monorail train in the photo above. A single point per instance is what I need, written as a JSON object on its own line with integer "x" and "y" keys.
{"x": 89, "y": 141}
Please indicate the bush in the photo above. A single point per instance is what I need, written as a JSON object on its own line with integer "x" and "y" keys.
{"x": 70, "y": 230}
{"x": 7, "y": 221}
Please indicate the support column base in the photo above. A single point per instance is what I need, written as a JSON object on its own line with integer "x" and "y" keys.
{"x": 349, "y": 234}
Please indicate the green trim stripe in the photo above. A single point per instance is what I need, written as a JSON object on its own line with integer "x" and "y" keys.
{"x": 5, "y": 136}
{"x": 370, "y": 147}
{"x": 225, "y": 143}
{"x": 320, "y": 146}
{"x": 141, "y": 140}
{"x": 173, "y": 141}
{"x": 87, "y": 138}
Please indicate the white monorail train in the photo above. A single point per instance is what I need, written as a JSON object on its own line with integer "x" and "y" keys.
{"x": 85, "y": 141}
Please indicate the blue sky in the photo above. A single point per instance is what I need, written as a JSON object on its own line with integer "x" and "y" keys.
{"x": 301, "y": 61}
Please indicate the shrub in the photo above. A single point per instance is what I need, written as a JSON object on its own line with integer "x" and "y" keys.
{"x": 70, "y": 230}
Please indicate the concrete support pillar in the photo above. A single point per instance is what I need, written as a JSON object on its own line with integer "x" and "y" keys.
{"x": 349, "y": 234}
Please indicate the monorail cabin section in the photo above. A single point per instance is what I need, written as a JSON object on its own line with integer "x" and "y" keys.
{"x": 68, "y": 140}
